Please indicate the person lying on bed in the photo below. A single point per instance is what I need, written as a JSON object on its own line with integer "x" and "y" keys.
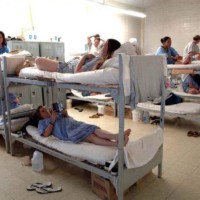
{"x": 192, "y": 48}
{"x": 191, "y": 84}
{"x": 86, "y": 63}
{"x": 64, "y": 127}
{"x": 172, "y": 55}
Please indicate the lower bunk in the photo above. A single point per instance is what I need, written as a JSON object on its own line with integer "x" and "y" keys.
{"x": 142, "y": 153}
{"x": 187, "y": 110}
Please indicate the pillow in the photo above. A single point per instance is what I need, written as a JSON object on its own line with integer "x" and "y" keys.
{"x": 12, "y": 64}
{"x": 126, "y": 48}
{"x": 16, "y": 124}
{"x": 22, "y": 108}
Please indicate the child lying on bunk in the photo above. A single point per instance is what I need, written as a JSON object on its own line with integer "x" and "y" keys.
{"x": 64, "y": 127}
{"x": 191, "y": 84}
{"x": 87, "y": 63}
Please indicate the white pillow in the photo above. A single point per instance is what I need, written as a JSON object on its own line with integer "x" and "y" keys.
{"x": 12, "y": 63}
{"x": 126, "y": 48}
{"x": 22, "y": 108}
{"x": 16, "y": 124}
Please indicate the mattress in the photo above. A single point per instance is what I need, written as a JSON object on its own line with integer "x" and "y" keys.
{"x": 101, "y": 97}
{"x": 101, "y": 77}
{"x": 16, "y": 124}
{"x": 145, "y": 146}
{"x": 193, "y": 65}
{"x": 180, "y": 108}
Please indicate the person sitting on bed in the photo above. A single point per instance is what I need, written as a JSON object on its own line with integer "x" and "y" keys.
{"x": 96, "y": 46}
{"x": 172, "y": 55}
{"x": 3, "y": 43}
{"x": 192, "y": 48}
{"x": 64, "y": 127}
{"x": 191, "y": 84}
{"x": 86, "y": 63}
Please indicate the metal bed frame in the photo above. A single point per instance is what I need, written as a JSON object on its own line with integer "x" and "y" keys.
{"x": 126, "y": 177}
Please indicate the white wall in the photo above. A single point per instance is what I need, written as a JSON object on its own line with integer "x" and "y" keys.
{"x": 73, "y": 20}
{"x": 179, "y": 19}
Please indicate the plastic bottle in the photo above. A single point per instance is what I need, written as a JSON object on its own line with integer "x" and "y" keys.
{"x": 168, "y": 82}
{"x": 37, "y": 161}
{"x": 146, "y": 117}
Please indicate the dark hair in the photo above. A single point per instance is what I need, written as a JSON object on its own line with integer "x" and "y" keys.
{"x": 97, "y": 36}
{"x": 4, "y": 43}
{"x": 112, "y": 46}
{"x": 196, "y": 37}
{"x": 164, "y": 39}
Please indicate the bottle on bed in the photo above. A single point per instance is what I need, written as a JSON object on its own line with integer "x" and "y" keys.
{"x": 37, "y": 161}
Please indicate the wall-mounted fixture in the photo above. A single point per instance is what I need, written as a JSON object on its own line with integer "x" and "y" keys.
{"x": 115, "y": 9}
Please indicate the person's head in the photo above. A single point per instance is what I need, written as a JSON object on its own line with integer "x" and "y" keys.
{"x": 42, "y": 113}
{"x": 196, "y": 39}
{"x": 166, "y": 41}
{"x": 96, "y": 41}
{"x": 109, "y": 47}
{"x": 13, "y": 98}
{"x": 2, "y": 39}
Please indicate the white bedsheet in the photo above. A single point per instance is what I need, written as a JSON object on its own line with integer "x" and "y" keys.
{"x": 99, "y": 77}
{"x": 16, "y": 124}
{"x": 140, "y": 149}
{"x": 193, "y": 65}
{"x": 102, "y": 97}
{"x": 181, "y": 108}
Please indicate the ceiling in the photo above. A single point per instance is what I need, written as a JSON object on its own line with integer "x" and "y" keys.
{"x": 140, "y": 3}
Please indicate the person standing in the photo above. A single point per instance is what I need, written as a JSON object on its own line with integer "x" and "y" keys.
{"x": 96, "y": 46}
{"x": 3, "y": 43}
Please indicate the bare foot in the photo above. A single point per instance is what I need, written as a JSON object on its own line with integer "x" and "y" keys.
{"x": 127, "y": 132}
{"x": 126, "y": 139}
{"x": 187, "y": 60}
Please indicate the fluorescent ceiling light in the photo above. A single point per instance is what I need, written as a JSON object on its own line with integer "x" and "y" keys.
{"x": 118, "y": 10}
{"x": 124, "y": 11}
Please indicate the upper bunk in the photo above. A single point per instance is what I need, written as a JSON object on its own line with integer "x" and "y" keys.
{"x": 121, "y": 81}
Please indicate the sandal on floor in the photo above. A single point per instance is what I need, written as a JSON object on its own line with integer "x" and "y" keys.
{"x": 100, "y": 114}
{"x": 190, "y": 133}
{"x": 45, "y": 190}
{"x": 196, "y": 134}
{"x": 94, "y": 116}
{"x": 34, "y": 186}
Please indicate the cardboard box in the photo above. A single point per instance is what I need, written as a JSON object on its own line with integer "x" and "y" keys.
{"x": 103, "y": 188}
{"x": 128, "y": 113}
{"x": 109, "y": 110}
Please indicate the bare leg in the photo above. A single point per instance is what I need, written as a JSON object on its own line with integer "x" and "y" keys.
{"x": 99, "y": 141}
{"x": 187, "y": 60}
{"x": 47, "y": 64}
{"x": 104, "y": 142}
{"x": 82, "y": 62}
{"x": 110, "y": 136}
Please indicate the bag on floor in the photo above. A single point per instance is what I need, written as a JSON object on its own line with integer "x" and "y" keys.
{"x": 170, "y": 99}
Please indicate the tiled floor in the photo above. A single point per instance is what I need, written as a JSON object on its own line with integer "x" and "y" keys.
{"x": 181, "y": 167}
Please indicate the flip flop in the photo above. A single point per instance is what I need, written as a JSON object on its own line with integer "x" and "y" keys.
{"x": 196, "y": 134}
{"x": 94, "y": 116}
{"x": 79, "y": 109}
{"x": 100, "y": 114}
{"x": 34, "y": 186}
{"x": 190, "y": 133}
{"x": 45, "y": 190}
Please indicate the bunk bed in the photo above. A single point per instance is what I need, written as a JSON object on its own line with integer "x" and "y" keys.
{"x": 19, "y": 114}
{"x": 135, "y": 73}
